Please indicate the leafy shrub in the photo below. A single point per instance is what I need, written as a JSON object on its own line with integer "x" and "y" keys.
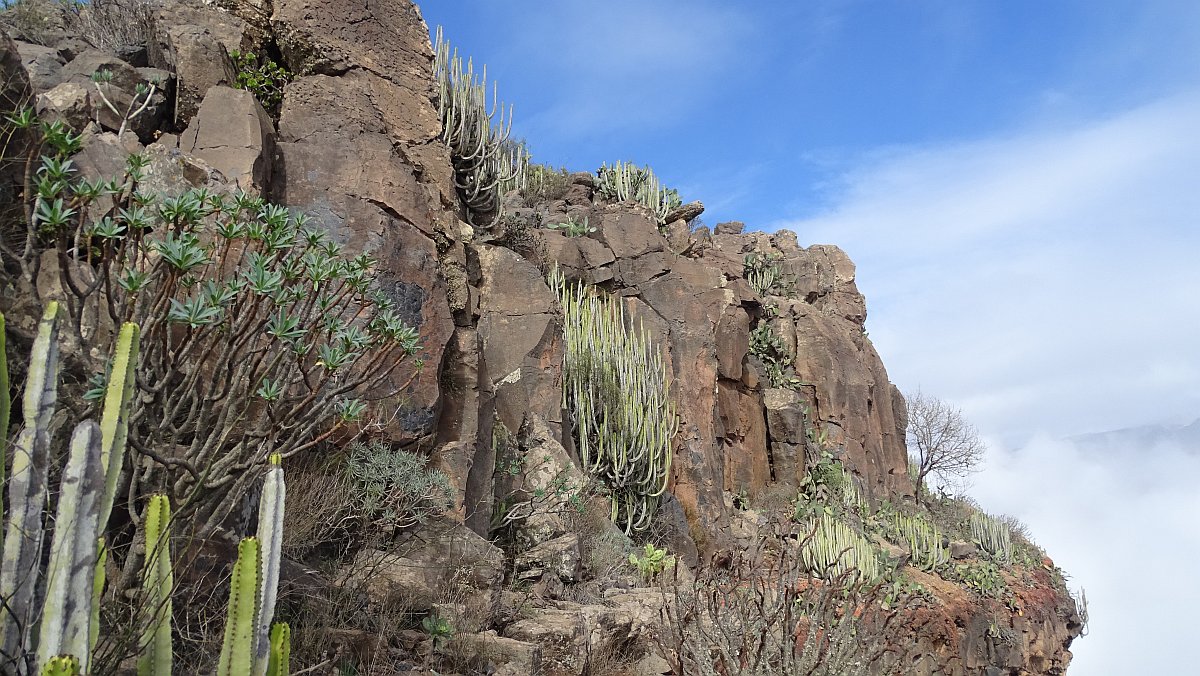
{"x": 262, "y": 77}
{"x": 776, "y": 358}
{"x": 395, "y": 487}
{"x": 258, "y": 333}
{"x": 983, "y": 577}
{"x": 652, "y": 562}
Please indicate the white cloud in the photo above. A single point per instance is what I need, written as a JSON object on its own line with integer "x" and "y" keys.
{"x": 1046, "y": 281}
{"x": 1124, "y": 527}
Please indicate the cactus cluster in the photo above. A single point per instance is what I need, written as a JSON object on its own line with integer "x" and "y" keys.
{"x": 625, "y": 182}
{"x": 616, "y": 392}
{"x": 486, "y": 163}
{"x": 924, "y": 541}
{"x": 992, "y": 535}
{"x": 834, "y": 549}
{"x": 765, "y": 274}
{"x": 64, "y": 617}
{"x": 777, "y": 360}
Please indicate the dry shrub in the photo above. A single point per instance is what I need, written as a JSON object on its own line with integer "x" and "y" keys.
{"x": 36, "y": 21}
{"x": 762, "y": 615}
{"x": 320, "y": 510}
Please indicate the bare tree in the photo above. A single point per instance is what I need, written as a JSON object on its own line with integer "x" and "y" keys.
{"x": 941, "y": 442}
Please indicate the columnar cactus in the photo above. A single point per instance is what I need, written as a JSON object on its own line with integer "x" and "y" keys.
{"x": 992, "y": 535}
{"x": 270, "y": 537}
{"x": 924, "y": 541}
{"x": 625, "y": 182}
{"x": 616, "y": 390}
{"x": 237, "y": 647}
{"x": 66, "y": 619}
{"x": 65, "y": 627}
{"x": 252, "y": 645}
{"x": 834, "y": 549}
{"x": 486, "y": 164}
{"x": 27, "y": 488}
{"x": 157, "y": 581}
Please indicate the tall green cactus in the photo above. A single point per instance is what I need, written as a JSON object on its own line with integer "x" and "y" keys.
{"x": 237, "y": 647}
{"x": 616, "y": 390}
{"x": 27, "y": 488}
{"x": 66, "y": 620}
{"x": 114, "y": 422}
{"x": 992, "y": 534}
{"x": 65, "y": 627}
{"x": 924, "y": 541}
{"x": 157, "y": 581}
{"x": 252, "y": 645}
{"x": 626, "y": 182}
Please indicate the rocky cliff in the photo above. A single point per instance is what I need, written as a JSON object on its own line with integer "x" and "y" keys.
{"x": 355, "y": 145}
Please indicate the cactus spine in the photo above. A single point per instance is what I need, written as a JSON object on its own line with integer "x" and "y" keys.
{"x": 66, "y": 613}
{"x": 27, "y": 486}
{"x": 157, "y": 581}
{"x": 616, "y": 390}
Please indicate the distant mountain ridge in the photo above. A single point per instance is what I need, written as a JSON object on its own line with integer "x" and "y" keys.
{"x": 1185, "y": 437}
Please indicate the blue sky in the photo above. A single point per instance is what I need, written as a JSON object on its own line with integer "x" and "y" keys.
{"x": 1019, "y": 185}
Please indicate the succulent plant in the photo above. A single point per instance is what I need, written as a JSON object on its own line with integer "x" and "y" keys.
{"x": 992, "y": 535}
{"x": 924, "y": 541}
{"x": 616, "y": 391}
{"x": 625, "y": 182}
{"x": 486, "y": 163}
{"x": 834, "y": 549}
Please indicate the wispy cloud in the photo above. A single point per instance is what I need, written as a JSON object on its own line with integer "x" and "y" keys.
{"x": 1042, "y": 281}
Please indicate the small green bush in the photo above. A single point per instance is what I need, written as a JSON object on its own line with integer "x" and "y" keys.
{"x": 571, "y": 228}
{"x": 775, "y": 357}
{"x": 396, "y": 489}
{"x": 652, "y": 562}
{"x": 262, "y": 77}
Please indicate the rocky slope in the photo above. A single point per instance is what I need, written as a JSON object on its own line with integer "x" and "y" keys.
{"x": 355, "y": 145}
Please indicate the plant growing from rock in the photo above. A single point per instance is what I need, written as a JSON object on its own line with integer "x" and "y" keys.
{"x": 143, "y": 94}
{"x": 486, "y": 165}
{"x": 834, "y": 549}
{"x": 625, "y": 182}
{"x": 983, "y": 577}
{"x": 259, "y": 334}
{"x": 394, "y": 488}
{"x": 923, "y": 539}
{"x": 776, "y": 358}
{"x": 992, "y": 536}
{"x": 765, "y": 274}
{"x": 262, "y": 77}
{"x": 571, "y": 228}
{"x": 616, "y": 392}
{"x": 651, "y": 562}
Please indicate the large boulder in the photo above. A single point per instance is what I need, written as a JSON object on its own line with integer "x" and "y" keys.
{"x": 234, "y": 135}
